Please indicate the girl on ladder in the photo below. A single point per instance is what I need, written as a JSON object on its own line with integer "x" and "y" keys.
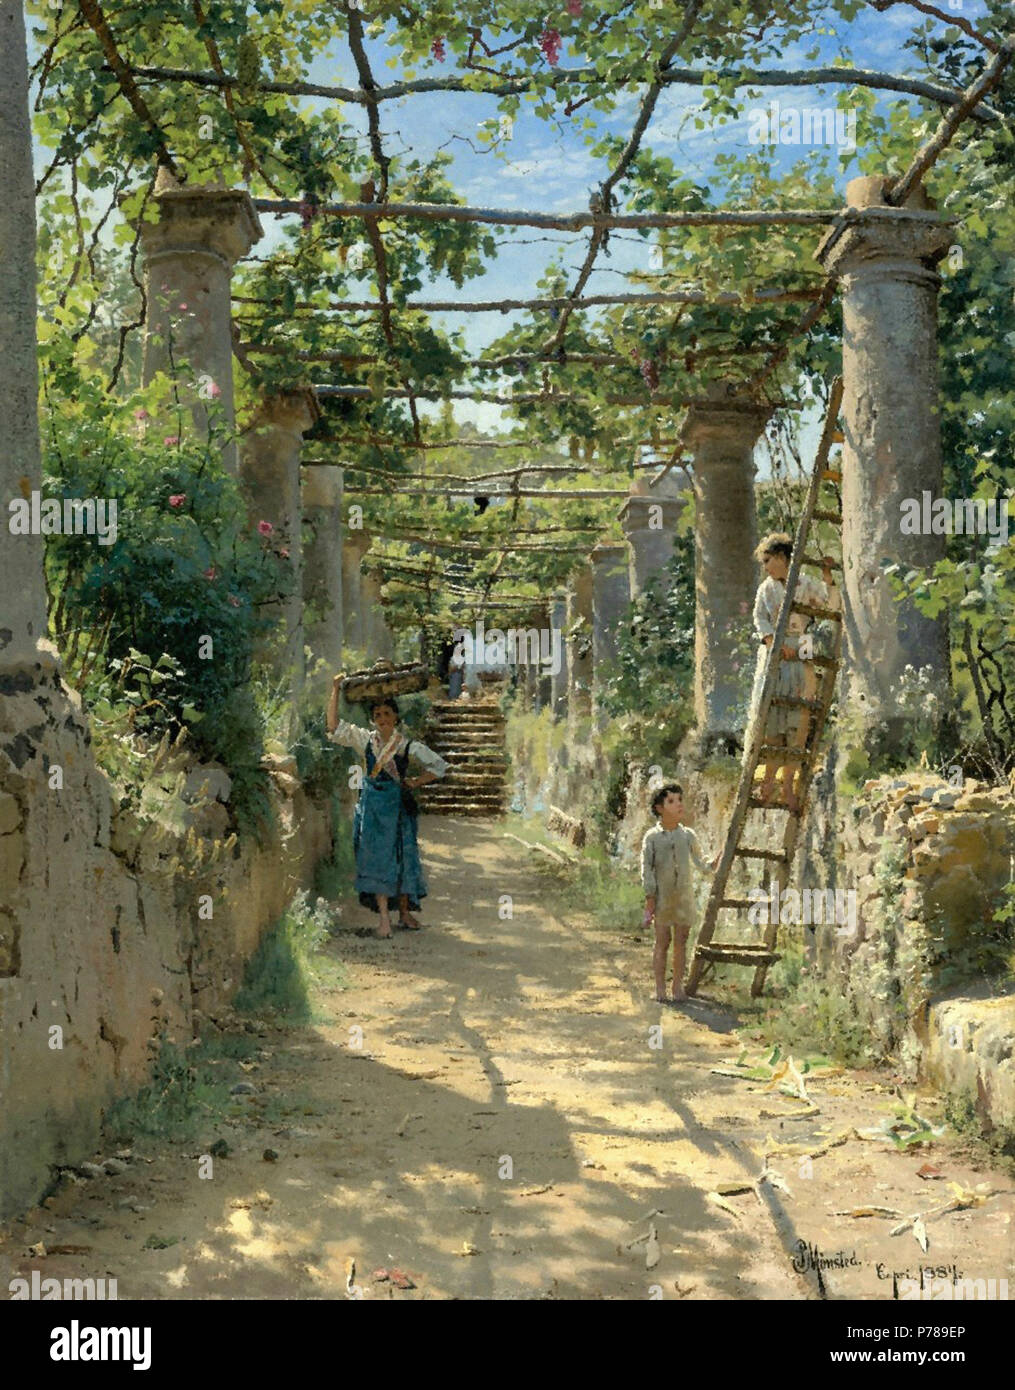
{"x": 384, "y": 826}
{"x": 787, "y": 725}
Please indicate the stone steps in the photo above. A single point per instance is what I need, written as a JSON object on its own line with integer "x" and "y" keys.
{"x": 472, "y": 740}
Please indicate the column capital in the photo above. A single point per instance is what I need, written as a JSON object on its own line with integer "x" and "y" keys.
{"x": 222, "y": 221}
{"x": 322, "y": 485}
{"x": 875, "y": 240}
{"x": 358, "y": 542}
{"x": 636, "y": 513}
{"x": 609, "y": 553}
{"x": 293, "y": 412}
{"x": 725, "y": 419}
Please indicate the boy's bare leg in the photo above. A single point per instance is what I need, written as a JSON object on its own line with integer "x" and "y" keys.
{"x": 659, "y": 961}
{"x": 384, "y": 928}
{"x": 679, "y": 962}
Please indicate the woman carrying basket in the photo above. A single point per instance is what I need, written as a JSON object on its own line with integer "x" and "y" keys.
{"x": 384, "y": 827}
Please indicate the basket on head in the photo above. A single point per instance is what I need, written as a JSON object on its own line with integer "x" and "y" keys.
{"x": 384, "y": 678}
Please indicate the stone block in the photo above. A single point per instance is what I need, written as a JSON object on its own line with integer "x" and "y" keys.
{"x": 12, "y": 859}
{"x": 10, "y": 813}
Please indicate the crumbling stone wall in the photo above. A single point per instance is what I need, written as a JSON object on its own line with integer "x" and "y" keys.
{"x": 929, "y": 864}
{"x": 114, "y": 931}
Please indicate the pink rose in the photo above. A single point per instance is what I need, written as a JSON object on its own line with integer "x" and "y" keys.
{"x": 284, "y": 553}
{"x": 265, "y": 528}
{"x": 177, "y": 499}
{"x": 141, "y": 413}
{"x": 210, "y": 572}
{"x": 214, "y": 390}
{"x": 234, "y": 600}
{"x": 170, "y": 440}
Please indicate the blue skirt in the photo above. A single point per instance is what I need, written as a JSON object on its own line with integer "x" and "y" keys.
{"x": 387, "y": 851}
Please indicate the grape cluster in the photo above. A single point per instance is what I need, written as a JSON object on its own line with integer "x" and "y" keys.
{"x": 549, "y": 42}
{"x": 438, "y": 50}
{"x": 649, "y": 370}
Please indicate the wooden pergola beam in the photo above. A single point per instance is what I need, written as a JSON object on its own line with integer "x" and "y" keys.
{"x": 745, "y": 77}
{"x": 561, "y": 495}
{"x": 557, "y": 222}
{"x": 721, "y": 299}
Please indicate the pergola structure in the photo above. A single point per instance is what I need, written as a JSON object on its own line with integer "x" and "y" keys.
{"x": 354, "y": 374}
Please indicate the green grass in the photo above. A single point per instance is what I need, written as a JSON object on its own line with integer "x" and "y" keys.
{"x": 610, "y": 895}
{"x": 185, "y": 1092}
{"x": 334, "y": 877}
{"x": 279, "y": 977}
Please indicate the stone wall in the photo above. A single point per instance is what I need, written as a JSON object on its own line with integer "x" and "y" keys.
{"x": 929, "y": 865}
{"x": 114, "y": 930}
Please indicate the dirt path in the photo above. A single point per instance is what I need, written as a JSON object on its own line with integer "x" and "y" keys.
{"x": 507, "y": 1124}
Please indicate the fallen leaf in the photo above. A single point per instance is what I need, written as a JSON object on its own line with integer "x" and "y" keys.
{"x": 718, "y": 1201}
{"x": 928, "y": 1171}
{"x": 920, "y": 1231}
{"x": 870, "y": 1211}
{"x": 468, "y": 1249}
{"x": 734, "y": 1189}
{"x": 652, "y": 1250}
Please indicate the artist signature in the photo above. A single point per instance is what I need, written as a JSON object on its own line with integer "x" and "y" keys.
{"x": 809, "y": 1257}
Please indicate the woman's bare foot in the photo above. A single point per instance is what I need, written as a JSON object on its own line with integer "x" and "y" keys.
{"x": 409, "y": 923}
{"x": 679, "y": 997}
{"x": 384, "y": 927}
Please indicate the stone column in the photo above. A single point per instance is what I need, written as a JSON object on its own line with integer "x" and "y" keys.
{"x": 189, "y": 254}
{"x": 884, "y": 258}
{"x": 355, "y": 545}
{"x": 579, "y": 652}
{"x": 558, "y": 635}
{"x": 611, "y": 597}
{"x": 649, "y": 518}
{"x": 270, "y": 477}
{"x": 721, "y": 433}
{"x": 23, "y": 609}
{"x": 377, "y": 635}
{"x": 322, "y": 567}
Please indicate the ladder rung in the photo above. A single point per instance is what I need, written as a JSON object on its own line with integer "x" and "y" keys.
{"x": 759, "y": 805}
{"x": 738, "y": 954}
{"x": 739, "y": 902}
{"x": 820, "y": 564}
{"x": 813, "y": 611}
{"x": 819, "y": 514}
{"x": 827, "y": 663}
{"x": 750, "y": 852}
{"x": 797, "y": 702}
{"x": 838, "y": 437}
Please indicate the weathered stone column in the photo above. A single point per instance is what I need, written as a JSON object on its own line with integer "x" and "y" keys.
{"x": 558, "y": 634}
{"x": 579, "y": 655}
{"x": 355, "y": 545}
{"x": 322, "y": 567}
{"x": 189, "y": 254}
{"x": 884, "y": 258}
{"x": 23, "y": 608}
{"x": 649, "y": 518}
{"x": 611, "y": 597}
{"x": 722, "y": 433}
{"x": 270, "y": 477}
{"x": 377, "y": 635}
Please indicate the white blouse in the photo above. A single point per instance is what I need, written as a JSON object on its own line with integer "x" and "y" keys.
{"x": 768, "y": 601}
{"x": 355, "y": 736}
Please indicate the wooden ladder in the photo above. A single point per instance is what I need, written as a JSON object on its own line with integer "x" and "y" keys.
{"x": 762, "y": 954}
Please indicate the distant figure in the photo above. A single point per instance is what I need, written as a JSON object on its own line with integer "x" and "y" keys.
{"x": 456, "y": 671}
{"x": 385, "y": 824}
{"x": 666, "y": 854}
{"x": 787, "y": 726}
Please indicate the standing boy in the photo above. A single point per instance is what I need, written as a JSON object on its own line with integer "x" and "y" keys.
{"x": 666, "y": 854}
